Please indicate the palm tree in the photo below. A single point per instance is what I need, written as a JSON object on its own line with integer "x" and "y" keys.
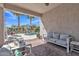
{"x": 24, "y": 28}
{"x": 18, "y": 15}
{"x": 19, "y": 29}
{"x": 31, "y": 18}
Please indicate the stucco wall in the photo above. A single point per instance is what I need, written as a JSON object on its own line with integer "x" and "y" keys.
{"x": 1, "y": 27}
{"x": 64, "y": 19}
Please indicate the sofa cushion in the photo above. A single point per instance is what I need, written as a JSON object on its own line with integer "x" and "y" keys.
{"x": 56, "y": 35}
{"x": 50, "y": 35}
{"x": 64, "y": 36}
{"x": 62, "y": 42}
{"x": 53, "y": 39}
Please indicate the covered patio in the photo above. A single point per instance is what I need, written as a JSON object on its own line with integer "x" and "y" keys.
{"x": 59, "y": 27}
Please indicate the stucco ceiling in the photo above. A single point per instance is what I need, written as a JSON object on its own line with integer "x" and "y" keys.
{"x": 37, "y": 7}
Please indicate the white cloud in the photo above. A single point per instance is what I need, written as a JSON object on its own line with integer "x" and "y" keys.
{"x": 12, "y": 16}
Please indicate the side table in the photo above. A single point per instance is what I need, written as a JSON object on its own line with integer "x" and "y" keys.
{"x": 74, "y": 46}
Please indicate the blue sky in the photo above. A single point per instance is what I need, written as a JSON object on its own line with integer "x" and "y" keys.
{"x": 11, "y": 19}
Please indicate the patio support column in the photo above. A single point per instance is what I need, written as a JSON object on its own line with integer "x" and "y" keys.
{"x": 1, "y": 27}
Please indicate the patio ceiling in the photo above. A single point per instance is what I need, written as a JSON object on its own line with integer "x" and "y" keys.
{"x": 37, "y": 7}
{"x": 32, "y": 8}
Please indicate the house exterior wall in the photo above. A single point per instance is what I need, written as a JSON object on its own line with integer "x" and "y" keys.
{"x": 63, "y": 19}
{"x": 1, "y": 27}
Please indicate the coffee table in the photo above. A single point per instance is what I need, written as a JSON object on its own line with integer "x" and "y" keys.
{"x": 13, "y": 47}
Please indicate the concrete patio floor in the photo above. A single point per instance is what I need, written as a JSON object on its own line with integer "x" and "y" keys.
{"x": 35, "y": 42}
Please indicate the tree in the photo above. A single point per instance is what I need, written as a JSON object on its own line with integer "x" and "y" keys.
{"x": 31, "y": 18}
{"x": 37, "y": 30}
{"x": 13, "y": 28}
{"x": 24, "y": 28}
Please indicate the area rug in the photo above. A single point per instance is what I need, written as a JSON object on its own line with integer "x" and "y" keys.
{"x": 49, "y": 49}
